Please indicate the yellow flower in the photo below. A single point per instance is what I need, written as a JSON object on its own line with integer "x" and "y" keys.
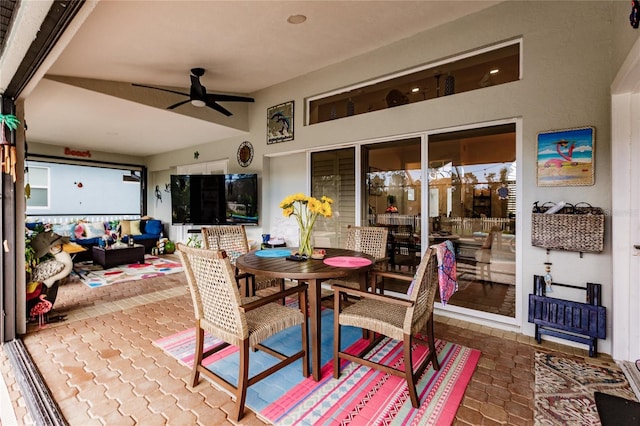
{"x": 306, "y": 210}
{"x": 288, "y": 211}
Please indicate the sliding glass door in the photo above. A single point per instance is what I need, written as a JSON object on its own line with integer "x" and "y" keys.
{"x": 392, "y": 199}
{"x": 472, "y": 203}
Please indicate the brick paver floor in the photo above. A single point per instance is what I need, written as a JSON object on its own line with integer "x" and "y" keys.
{"x": 103, "y": 369}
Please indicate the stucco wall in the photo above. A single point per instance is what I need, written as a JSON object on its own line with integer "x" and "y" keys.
{"x": 570, "y": 55}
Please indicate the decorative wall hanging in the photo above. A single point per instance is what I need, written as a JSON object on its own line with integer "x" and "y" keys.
{"x": 245, "y": 153}
{"x": 280, "y": 123}
{"x": 8, "y": 154}
{"x": 566, "y": 157}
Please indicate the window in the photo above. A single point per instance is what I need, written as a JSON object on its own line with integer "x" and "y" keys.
{"x": 65, "y": 189}
{"x": 472, "y": 71}
{"x": 38, "y": 180}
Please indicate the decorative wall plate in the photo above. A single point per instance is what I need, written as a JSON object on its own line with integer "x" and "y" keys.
{"x": 245, "y": 153}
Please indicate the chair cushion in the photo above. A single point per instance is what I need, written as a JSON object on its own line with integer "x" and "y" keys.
{"x": 375, "y": 315}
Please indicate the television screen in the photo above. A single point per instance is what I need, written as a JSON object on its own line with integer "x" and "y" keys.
{"x": 214, "y": 199}
{"x": 197, "y": 200}
{"x": 241, "y": 197}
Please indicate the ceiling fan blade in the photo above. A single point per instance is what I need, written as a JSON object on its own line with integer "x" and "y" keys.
{"x": 219, "y": 108}
{"x": 217, "y": 97}
{"x": 197, "y": 89}
{"x": 178, "y": 104}
{"x": 158, "y": 88}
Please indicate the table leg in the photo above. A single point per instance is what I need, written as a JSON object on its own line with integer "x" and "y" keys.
{"x": 316, "y": 330}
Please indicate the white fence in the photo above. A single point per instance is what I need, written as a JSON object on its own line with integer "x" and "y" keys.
{"x": 465, "y": 226}
{"x": 62, "y": 219}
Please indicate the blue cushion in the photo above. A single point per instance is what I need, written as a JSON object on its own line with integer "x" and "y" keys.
{"x": 87, "y": 241}
{"x": 143, "y": 237}
{"x": 153, "y": 226}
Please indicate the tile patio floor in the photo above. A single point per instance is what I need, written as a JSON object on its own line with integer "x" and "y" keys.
{"x": 102, "y": 368}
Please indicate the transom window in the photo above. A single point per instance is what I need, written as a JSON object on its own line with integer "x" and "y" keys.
{"x": 472, "y": 71}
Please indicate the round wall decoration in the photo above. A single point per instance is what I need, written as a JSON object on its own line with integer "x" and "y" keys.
{"x": 245, "y": 153}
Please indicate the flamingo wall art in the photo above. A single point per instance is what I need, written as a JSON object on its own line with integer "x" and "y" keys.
{"x": 566, "y": 157}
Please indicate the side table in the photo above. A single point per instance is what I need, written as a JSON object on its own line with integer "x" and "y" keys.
{"x": 111, "y": 257}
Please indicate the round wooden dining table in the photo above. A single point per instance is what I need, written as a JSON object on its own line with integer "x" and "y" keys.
{"x": 313, "y": 272}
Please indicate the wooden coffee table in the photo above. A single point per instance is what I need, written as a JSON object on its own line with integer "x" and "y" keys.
{"x": 110, "y": 257}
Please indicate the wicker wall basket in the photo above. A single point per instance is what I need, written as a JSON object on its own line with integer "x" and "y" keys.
{"x": 574, "y": 228}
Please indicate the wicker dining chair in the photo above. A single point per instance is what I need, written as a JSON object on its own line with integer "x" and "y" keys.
{"x": 393, "y": 317}
{"x": 242, "y": 322}
{"x": 371, "y": 240}
{"x": 233, "y": 240}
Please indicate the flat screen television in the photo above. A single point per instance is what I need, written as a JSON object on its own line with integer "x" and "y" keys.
{"x": 214, "y": 199}
{"x": 241, "y": 198}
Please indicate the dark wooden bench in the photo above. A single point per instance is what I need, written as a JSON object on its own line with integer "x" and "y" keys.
{"x": 576, "y": 321}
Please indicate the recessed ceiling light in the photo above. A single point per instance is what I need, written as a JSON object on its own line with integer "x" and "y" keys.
{"x": 494, "y": 71}
{"x": 296, "y": 19}
{"x": 415, "y": 90}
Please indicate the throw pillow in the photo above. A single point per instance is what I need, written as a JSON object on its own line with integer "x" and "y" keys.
{"x": 94, "y": 229}
{"x": 64, "y": 229}
{"x": 135, "y": 227}
{"x": 125, "y": 227}
{"x": 79, "y": 231}
{"x": 153, "y": 226}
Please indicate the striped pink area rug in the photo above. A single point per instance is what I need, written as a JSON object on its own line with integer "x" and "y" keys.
{"x": 361, "y": 396}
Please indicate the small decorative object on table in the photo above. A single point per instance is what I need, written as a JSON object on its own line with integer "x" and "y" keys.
{"x": 318, "y": 253}
{"x": 306, "y": 210}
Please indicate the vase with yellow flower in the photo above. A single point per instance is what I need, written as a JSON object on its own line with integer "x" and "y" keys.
{"x": 306, "y": 210}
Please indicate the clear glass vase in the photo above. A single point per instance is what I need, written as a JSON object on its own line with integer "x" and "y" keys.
{"x": 306, "y": 247}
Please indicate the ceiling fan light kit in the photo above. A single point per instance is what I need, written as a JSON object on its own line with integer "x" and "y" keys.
{"x": 199, "y": 97}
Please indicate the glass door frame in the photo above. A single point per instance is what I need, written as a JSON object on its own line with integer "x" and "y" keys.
{"x": 479, "y": 317}
{"x": 464, "y": 313}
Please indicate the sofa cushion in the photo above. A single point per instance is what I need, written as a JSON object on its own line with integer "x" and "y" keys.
{"x": 94, "y": 229}
{"x": 64, "y": 229}
{"x": 87, "y": 242}
{"x": 130, "y": 227}
{"x": 78, "y": 231}
{"x": 135, "y": 227}
{"x": 112, "y": 226}
{"x": 153, "y": 226}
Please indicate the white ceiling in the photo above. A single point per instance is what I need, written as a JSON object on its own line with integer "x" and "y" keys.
{"x": 244, "y": 46}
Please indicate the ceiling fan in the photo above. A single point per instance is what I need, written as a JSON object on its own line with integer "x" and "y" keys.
{"x": 199, "y": 97}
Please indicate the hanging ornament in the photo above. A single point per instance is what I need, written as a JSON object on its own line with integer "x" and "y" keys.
{"x": 449, "y": 85}
{"x": 503, "y": 192}
{"x": 548, "y": 280}
{"x": 634, "y": 17}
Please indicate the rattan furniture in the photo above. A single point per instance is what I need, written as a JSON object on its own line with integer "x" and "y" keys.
{"x": 233, "y": 240}
{"x": 243, "y": 322}
{"x": 371, "y": 240}
{"x": 313, "y": 272}
{"x": 389, "y": 316}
